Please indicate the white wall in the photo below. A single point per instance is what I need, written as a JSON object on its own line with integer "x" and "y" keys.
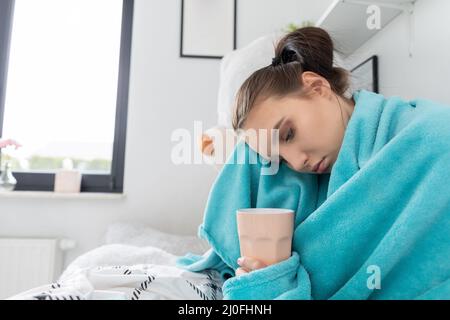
{"x": 427, "y": 73}
{"x": 166, "y": 92}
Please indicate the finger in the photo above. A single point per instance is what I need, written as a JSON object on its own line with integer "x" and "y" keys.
{"x": 240, "y": 271}
{"x": 243, "y": 267}
{"x": 251, "y": 263}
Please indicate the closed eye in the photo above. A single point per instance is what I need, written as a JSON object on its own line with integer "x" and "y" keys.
{"x": 289, "y": 135}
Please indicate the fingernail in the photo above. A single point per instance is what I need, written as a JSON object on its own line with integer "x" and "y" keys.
{"x": 239, "y": 261}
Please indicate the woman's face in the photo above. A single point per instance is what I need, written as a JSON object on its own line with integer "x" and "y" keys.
{"x": 311, "y": 130}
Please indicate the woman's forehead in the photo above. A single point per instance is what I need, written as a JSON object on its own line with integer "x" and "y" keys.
{"x": 264, "y": 115}
{"x": 264, "y": 141}
{"x": 259, "y": 126}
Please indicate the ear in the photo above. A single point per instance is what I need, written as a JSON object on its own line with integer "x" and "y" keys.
{"x": 317, "y": 84}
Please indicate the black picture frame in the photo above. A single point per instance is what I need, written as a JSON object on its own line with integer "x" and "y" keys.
{"x": 366, "y": 75}
{"x": 184, "y": 55}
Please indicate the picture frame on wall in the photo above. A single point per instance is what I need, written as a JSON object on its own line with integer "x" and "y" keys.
{"x": 365, "y": 75}
{"x": 208, "y": 28}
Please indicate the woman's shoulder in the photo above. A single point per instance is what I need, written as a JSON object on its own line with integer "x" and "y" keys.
{"x": 423, "y": 121}
{"x": 432, "y": 111}
{"x": 432, "y": 121}
{"x": 424, "y": 104}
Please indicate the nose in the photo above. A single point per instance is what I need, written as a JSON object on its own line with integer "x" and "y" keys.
{"x": 297, "y": 162}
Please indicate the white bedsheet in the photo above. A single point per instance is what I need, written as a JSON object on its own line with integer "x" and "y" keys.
{"x": 128, "y": 272}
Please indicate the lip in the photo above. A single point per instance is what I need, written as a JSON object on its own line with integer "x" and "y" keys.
{"x": 321, "y": 166}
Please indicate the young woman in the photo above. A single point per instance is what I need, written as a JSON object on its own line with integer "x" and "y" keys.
{"x": 367, "y": 177}
{"x": 304, "y": 96}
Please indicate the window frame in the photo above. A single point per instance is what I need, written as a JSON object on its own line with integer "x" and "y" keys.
{"x": 44, "y": 181}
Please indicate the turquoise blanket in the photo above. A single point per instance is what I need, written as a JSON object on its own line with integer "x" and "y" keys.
{"x": 376, "y": 227}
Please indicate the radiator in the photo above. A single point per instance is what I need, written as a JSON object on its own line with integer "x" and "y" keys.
{"x": 28, "y": 263}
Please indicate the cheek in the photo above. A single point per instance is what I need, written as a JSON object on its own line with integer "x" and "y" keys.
{"x": 321, "y": 131}
{"x": 313, "y": 132}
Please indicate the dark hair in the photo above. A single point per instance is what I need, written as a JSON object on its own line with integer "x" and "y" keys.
{"x": 305, "y": 49}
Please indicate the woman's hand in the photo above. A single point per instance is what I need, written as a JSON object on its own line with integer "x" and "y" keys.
{"x": 248, "y": 264}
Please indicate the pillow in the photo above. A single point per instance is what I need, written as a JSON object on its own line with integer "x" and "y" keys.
{"x": 236, "y": 66}
{"x": 143, "y": 236}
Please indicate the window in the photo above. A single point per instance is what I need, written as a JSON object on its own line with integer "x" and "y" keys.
{"x": 64, "y": 77}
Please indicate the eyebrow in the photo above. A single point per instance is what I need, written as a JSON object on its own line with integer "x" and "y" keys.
{"x": 278, "y": 124}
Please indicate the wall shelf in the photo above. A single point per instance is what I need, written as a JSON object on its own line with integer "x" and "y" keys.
{"x": 346, "y": 21}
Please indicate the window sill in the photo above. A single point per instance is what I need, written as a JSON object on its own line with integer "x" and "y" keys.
{"x": 55, "y": 195}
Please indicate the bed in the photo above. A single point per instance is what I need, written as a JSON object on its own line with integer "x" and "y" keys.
{"x": 134, "y": 263}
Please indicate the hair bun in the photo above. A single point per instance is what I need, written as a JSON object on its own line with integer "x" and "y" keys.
{"x": 276, "y": 61}
{"x": 291, "y": 55}
{"x": 314, "y": 49}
